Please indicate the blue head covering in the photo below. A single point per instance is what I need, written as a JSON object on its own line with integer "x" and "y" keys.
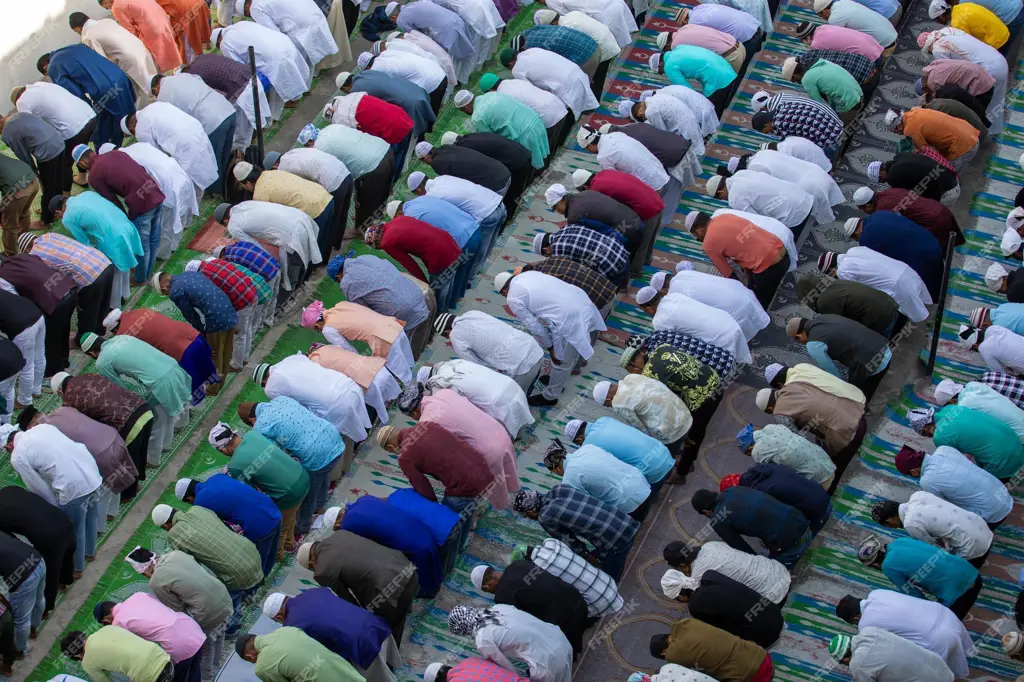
{"x": 308, "y": 132}
{"x": 745, "y": 438}
{"x": 335, "y": 265}
{"x": 919, "y": 87}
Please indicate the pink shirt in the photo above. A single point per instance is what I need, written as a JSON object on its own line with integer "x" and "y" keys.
{"x": 968, "y": 75}
{"x": 176, "y": 633}
{"x": 704, "y": 36}
{"x": 846, "y": 40}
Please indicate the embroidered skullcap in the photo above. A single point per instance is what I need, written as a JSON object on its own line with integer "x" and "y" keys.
{"x": 1012, "y": 642}
{"x": 55, "y": 383}
{"x": 745, "y": 437}
{"x": 580, "y": 177}
{"x": 968, "y": 336}
{"x": 1010, "y": 242}
{"x": 658, "y": 280}
{"x": 626, "y": 108}
{"x": 645, "y": 295}
{"x": 477, "y": 576}
{"x": 936, "y": 8}
{"x": 272, "y": 604}
{"x": 804, "y": 29}
{"x": 908, "y": 459}
{"x": 654, "y": 61}
{"x": 673, "y": 582}
{"x": 193, "y": 265}
{"x": 377, "y": 48}
{"x": 789, "y": 68}
{"x": 331, "y": 517}
{"x": 691, "y": 218}
{"x": 920, "y": 417}
{"x": 410, "y": 399}
{"x": 873, "y": 168}
{"x": 994, "y": 276}
{"x": 462, "y": 98}
{"x": 945, "y": 391}
{"x": 869, "y": 549}
{"x": 371, "y": 235}
{"x": 850, "y": 226}
{"x": 416, "y": 178}
{"x": 713, "y": 184}
{"x": 862, "y": 196}
{"x": 978, "y": 317}
{"x": 760, "y": 99}
{"x": 384, "y": 435}
{"x": 340, "y": 79}
{"x": 772, "y": 370}
{"x": 662, "y": 39}
{"x": 423, "y": 374}
{"x": 762, "y": 397}
{"x": 526, "y": 500}
{"x": 312, "y": 314}
{"x": 365, "y": 58}
{"x": 839, "y": 647}
{"x": 919, "y": 87}
{"x": 308, "y": 133}
{"x": 220, "y": 435}
{"x": 544, "y": 16}
{"x": 554, "y": 194}
{"x": 892, "y": 118}
{"x": 241, "y": 170}
{"x": 647, "y": 94}
{"x": 181, "y": 487}
{"x": 600, "y": 392}
{"x": 302, "y": 556}
{"x": 423, "y": 148}
{"x": 827, "y": 261}
{"x": 88, "y": 340}
{"x": 259, "y": 372}
{"x": 538, "y": 241}
{"x": 449, "y": 137}
{"x": 161, "y": 514}
{"x": 572, "y": 427}
{"x": 793, "y": 326}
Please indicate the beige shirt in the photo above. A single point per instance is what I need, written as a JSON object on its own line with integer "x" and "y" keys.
{"x": 834, "y": 419}
{"x": 282, "y": 187}
{"x": 650, "y": 406}
{"x": 116, "y": 43}
{"x": 359, "y": 368}
{"x": 354, "y": 321}
{"x": 695, "y": 644}
{"x": 810, "y": 374}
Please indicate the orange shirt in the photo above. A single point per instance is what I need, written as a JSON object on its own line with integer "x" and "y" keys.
{"x": 731, "y": 237}
{"x": 190, "y": 20}
{"x": 359, "y": 368}
{"x": 952, "y": 136}
{"x": 359, "y": 322}
{"x": 148, "y": 22}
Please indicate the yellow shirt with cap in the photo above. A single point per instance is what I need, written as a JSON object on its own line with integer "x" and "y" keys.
{"x": 288, "y": 189}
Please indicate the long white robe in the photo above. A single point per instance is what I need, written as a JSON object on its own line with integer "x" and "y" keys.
{"x": 415, "y": 39}
{"x": 766, "y": 195}
{"x": 276, "y": 57}
{"x": 302, "y": 21}
{"x": 180, "y": 136}
{"x": 700, "y": 105}
{"x": 494, "y": 393}
{"x": 559, "y": 76}
{"x": 399, "y": 358}
{"x": 665, "y": 112}
{"x": 615, "y": 14}
{"x": 957, "y": 44}
{"x": 285, "y": 227}
{"x": 878, "y": 271}
{"x": 547, "y": 105}
{"x": 483, "y": 24}
{"x": 556, "y": 313}
{"x": 245, "y": 121}
{"x": 802, "y": 148}
{"x": 180, "y": 203}
{"x": 804, "y": 175}
{"x": 678, "y": 312}
{"x": 116, "y": 43}
{"x": 322, "y": 391}
{"x": 422, "y": 71}
{"x": 723, "y": 293}
{"x": 768, "y": 224}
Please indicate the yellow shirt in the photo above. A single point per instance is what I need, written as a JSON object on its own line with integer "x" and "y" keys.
{"x": 282, "y": 187}
{"x": 818, "y": 377}
{"x": 112, "y": 649}
{"x": 980, "y": 23}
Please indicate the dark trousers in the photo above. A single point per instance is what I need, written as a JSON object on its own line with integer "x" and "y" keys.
{"x": 267, "y": 547}
{"x": 373, "y": 189}
{"x": 520, "y": 179}
{"x": 843, "y": 457}
{"x": 82, "y": 137}
{"x": 325, "y": 225}
{"x": 60, "y": 568}
{"x": 107, "y": 129}
{"x": 221, "y": 139}
{"x": 138, "y": 450}
{"x": 58, "y": 330}
{"x": 401, "y": 151}
{"x": 869, "y": 384}
{"x": 979, "y": 561}
{"x": 51, "y": 181}
{"x": 94, "y": 304}
{"x": 597, "y": 85}
{"x": 966, "y": 600}
{"x": 342, "y": 202}
{"x": 437, "y": 96}
{"x": 190, "y": 669}
{"x": 350, "y": 11}
{"x": 613, "y": 563}
{"x": 397, "y": 619}
{"x": 764, "y": 284}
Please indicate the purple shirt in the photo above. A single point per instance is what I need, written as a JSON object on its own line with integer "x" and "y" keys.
{"x": 352, "y": 632}
{"x": 736, "y": 23}
{"x": 115, "y": 174}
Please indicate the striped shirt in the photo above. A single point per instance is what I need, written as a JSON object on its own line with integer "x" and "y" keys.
{"x": 597, "y": 587}
{"x": 597, "y": 251}
{"x": 67, "y": 256}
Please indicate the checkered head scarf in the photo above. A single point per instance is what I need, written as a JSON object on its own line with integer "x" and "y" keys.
{"x": 920, "y": 417}
{"x": 466, "y": 620}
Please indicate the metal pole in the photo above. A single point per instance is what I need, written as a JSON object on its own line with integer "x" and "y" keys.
{"x": 941, "y": 304}
{"x": 256, "y": 103}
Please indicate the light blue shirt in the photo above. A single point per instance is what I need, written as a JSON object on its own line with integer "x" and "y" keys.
{"x": 758, "y": 9}
{"x": 886, "y": 8}
{"x": 308, "y": 438}
{"x": 950, "y": 475}
{"x": 1009, "y": 315}
{"x": 985, "y": 399}
{"x": 1006, "y": 10}
{"x": 599, "y": 474}
{"x": 819, "y": 353}
{"x": 444, "y": 215}
{"x": 630, "y": 445}
{"x": 853, "y": 15}
{"x": 359, "y": 151}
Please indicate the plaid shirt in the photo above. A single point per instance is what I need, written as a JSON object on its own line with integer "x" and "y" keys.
{"x": 858, "y": 66}
{"x": 593, "y": 249}
{"x": 718, "y": 359}
{"x": 480, "y": 670}
{"x": 263, "y": 290}
{"x": 935, "y": 155}
{"x": 804, "y": 117}
{"x": 572, "y": 516}
{"x": 598, "y": 287}
{"x": 253, "y": 257}
{"x": 231, "y": 557}
{"x": 576, "y": 46}
{"x": 231, "y": 281}
{"x": 597, "y": 587}
{"x": 69, "y": 257}
{"x": 1009, "y": 386}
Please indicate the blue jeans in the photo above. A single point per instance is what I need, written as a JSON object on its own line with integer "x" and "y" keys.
{"x": 613, "y": 563}
{"x": 84, "y": 513}
{"x": 464, "y": 507}
{"x": 267, "y": 547}
{"x": 472, "y": 256}
{"x": 489, "y": 228}
{"x": 817, "y": 525}
{"x": 149, "y": 232}
{"x": 316, "y": 498}
{"x": 400, "y": 150}
{"x": 791, "y": 555}
{"x": 28, "y": 604}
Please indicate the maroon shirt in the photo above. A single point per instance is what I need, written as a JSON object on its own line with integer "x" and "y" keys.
{"x": 928, "y": 213}
{"x": 630, "y": 191}
{"x": 36, "y": 281}
{"x": 115, "y": 174}
{"x": 104, "y": 401}
{"x": 429, "y": 449}
{"x": 102, "y": 441}
{"x": 405, "y": 237}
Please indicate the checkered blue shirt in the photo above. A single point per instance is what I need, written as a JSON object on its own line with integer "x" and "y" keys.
{"x": 573, "y": 516}
{"x": 857, "y": 65}
{"x": 576, "y": 46}
{"x": 70, "y": 257}
{"x": 254, "y": 257}
{"x": 599, "y": 252}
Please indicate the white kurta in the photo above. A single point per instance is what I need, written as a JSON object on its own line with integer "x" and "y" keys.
{"x": 302, "y": 21}
{"x": 601, "y": 34}
{"x": 494, "y": 393}
{"x": 878, "y": 271}
{"x": 931, "y": 519}
{"x": 761, "y": 193}
{"x": 399, "y": 358}
{"x": 700, "y": 105}
{"x": 524, "y": 637}
{"x": 430, "y": 46}
{"x": 382, "y": 389}
{"x": 784, "y": 234}
{"x": 880, "y": 656}
{"x": 614, "y": 14}
{"x": 421, "y": 71}
{"x": 197, "y": 99}
{"x": 53, "y": 466}
{"x": 678, "y": 312}
{"x": 621, "y": 152}
{"x": 180, "y": 203}
{"x": 1003, "y": 351}
{"x": 488, "y": 341}
{"x": 56, "y": 106}
{"x": 804, "y": 175}
{"x": 317, "y": 166}
{"x": 322, "y": 391}
{"x": 765, "y": 576}
{"x": 804, "y": 149}
{"x": 120, "y": 46}
{"x": 557, "y": 75}
{"x": 665, "y": 112}
{"x": 276, "y": 57}
{"x": 556, "y": 313}
{"x": 724, "y": 294}
{"x": 956, "y": 44}
{"x": 548, "y": 106}
{"x": 180, "y": 136}
{"x": 245, "y": 121}
{"x": 285, "y": 227}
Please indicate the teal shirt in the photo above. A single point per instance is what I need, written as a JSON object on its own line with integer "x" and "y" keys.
{"x": 503, "y": 115}
{"x": 946, "y": 577}
{"x": 832, "y": 84}
{"x": 165, "y": 381}
{"x": 1009, "y": 315}
{"x": 260, "y": 463}
{"x": 359, "y": 151}
{"x": 93, "y": 220}
{"x": 689, "y": 61}
{"x": 992, "y": 444}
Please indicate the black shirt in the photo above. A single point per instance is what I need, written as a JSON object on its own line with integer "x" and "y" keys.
{"x": 955, "y": 92}
{"x": 17, "y": 314}
{"x": 667, "y": 147}
{"x": 514, "y": 156}
{"x": 17, "y": 561}
{"x": 849, "y": 342}
{"x": 542, "y": 595}
{"x": 1015, "y": 286}
{"x": 602, "y": 208}
{"x": 11, "y": 362}
{"x": 44, "y": 525}
{"x": 36, "y": 280}
{"x": 927, "y": 176}
{"x": 872, "y": 308}
{"x": 469, "y": 164}
{"x": 736, "y": 608}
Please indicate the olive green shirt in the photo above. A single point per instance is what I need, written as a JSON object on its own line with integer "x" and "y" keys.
{"x": 231, "y": 557}
{"x": 290, "y": 655}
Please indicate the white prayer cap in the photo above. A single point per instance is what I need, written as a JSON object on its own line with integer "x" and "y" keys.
{"x": 862, "y": 196}
{"x": 601, "y": 391}
{"x": 241, "y": 170}
{"x": 892, "y": 117}
{"x": 1015, "y": 218}
{"x": 734, "y": 163}
{"x": 106, "y": 147}
{"x": 181, "y": 487}
{"x": 554, "y": 194}
{"x": 538, "y": 241}
{"x": 789, "y": 68}
{"x": 605, "y": 128}
{"x": 215, "y": 34}
{"x": 994, "y": 276}
{"x": 477, "y": 576}
{"x": 772, "y": 371}
{"x": 1010, "y": 243}
{"x": 57, "y": 379}
{"x": 302, "y": 556}
{"x": 626, "y": 108}
{"x": 331, "y": 517}
{"x": 450, "y": 137}
{"x": 365, "y": 57}
{"x": 462, "y": 98}
{"x": 968, "y": 336}
{"x": 273, "y": 603}
{"x": 821, "y": 5}
{"x": 713, "y": 184}
{"x": 654, "y": 61}
{"x": 340, "y": 79}
{"x": 873, "y": 169}
{"x": 423, "y": 374}
{"x": 124, "y": 126}
{"x": 662, "y": 39}
{"x": 5, "y": 432}
{"x": 646, "y": 295}
{"x": 544, "y": 16}
{"x": 647, "y": 94}
{"x": 392, "y": 208}
{"x": 586, "y": 136}
{"x": 673, "y": 582}
{"x": 658, "y": 280}
{"x": 945, "y": 391}
{"x": 112, "y": 318}
{"x": 155, "y": 280}
{"x": 423, "y": 148}
{"x": 161, "y": 514}
{"x": 193, "y": 265}
{"x": 936, "y": 8}
{"x": 762, "y": 397}
{"x": 430, "y": 674}
{"x": 580, "y": 177}
{"x": 850, "y": 226}
{"x": 392, "y": 37}
{"x": 1021, "y": 160}
{"x": 501, "y": 279}
{"x": 416, "y": 179}
{"x": 683, "y": 266}
{"x": 691, "y": 218}
{"x": 572, "y": 427}
{"x": 390, "y": 7}
{"x": 760, "y": 99}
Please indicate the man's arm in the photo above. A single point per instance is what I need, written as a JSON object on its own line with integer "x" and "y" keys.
{"x": 407, "y": 262}
{"x": 531, "y": 322}
{"x": 819, "y": 353}
{"x": 187, "y": 311}
{"x": 731, "y": 537}
{"x": 98, "y": 183}
{"x": 417, "y": 479}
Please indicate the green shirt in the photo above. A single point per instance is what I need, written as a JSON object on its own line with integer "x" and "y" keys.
{"x": 15, "y": 175}
{"x": 263, "y": 291}
{"x": 504, "y": 115}
{"x": 115, "y": 650}
{"x": 166, "y": 383}
{"x": 260, "y": 463}
{"x": 290, "y": 655}
{"x": 231, "y": 557}
{"x": 183, "y": 584}
{"x": 831, "y": 83}
{"x": 992, "y": 444}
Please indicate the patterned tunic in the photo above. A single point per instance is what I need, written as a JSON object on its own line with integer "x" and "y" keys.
{"x": 82, "y": 263}
{"x": 804, "y": 117}
{"x": 718, "y": 359}
{"x": 858, "y": 66}
{"x": 232, "y": 558}
{"x": 775, "y": 444}
{"x": 598, "y": 287}
{"x": 686, "y": 376}
{"x": 231, "y": 281}
{"x": 597, "y": 587}
{"x": 649, "y": 405}
{"x": 602, "y": 253}
{"x": 201, "y": 303}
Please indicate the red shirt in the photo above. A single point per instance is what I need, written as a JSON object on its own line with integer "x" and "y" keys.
{"x": 429, "y": 449}
{"x": 630, "y": 191}
{"x": 231, "y": 281}
{"x": 405, "y": 237}
{"x": 383, "y": 119}
{"x": 928, "y": 213}
{"x": 166, "y": 335}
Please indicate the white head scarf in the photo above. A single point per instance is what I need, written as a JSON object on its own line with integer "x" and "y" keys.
{"x": 936, "y": 8}
{"x": 554, "y": 194}
{"x": 1010, "y": 242}
{"x": 673, "y": 582}
{"x": 759, "y": 100}
{"x": 1015, "y": 218}
{"x": 945, "y": 391}
{"x": 968, "y": 336}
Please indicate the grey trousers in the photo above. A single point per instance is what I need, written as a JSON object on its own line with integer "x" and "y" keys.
{"x": 245, "y": 330}
{"x": 526, "y": 379}
{"x": 162, "y": 435}
{"x": 561, "y": 372}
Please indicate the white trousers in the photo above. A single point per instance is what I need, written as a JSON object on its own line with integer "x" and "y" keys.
{"x": 32, "y": 344}
{"x": 382, "y": 389}
{"x": 162, "y": 435}
{"x": 245, "y": 330}
{"x": 122, "y": 288}
{"x": 400, "y": 360}
{"x": 169, "y": 239}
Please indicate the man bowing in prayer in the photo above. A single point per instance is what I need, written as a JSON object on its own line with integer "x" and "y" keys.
{"x": 300, "y": 20}
{"x": 147, "y": 21}
{"x": 112, "y": 41}
{"x": 496, "y": 112}
{"x": 177, "y": 134}
{"x": 444, "y": 26}
{"x": 554, "y": 73}
{"x": 276, "y": 57}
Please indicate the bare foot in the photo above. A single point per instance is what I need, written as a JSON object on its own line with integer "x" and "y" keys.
{"x": 675, "y": 479}
{"x": 291, "y": 105}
